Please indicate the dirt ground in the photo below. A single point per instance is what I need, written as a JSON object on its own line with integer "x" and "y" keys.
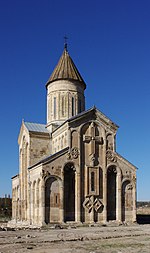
{"x": 112, "y": 239}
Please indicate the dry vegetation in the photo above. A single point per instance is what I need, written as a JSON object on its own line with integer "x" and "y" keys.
{"x": 143, "y": 207}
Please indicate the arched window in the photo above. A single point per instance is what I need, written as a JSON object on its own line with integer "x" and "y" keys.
{"x": 54, "y": 107}
{"x": 79, "y": 105}
{"x": 63, "y": 106}
{"x": 73, "y": 107}
{"x": 92, "y": 181}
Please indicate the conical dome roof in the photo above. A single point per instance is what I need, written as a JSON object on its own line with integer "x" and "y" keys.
{"x": 66, "y": 69}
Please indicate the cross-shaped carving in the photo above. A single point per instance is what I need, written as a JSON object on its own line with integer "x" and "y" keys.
{"x": 93, "y": 139}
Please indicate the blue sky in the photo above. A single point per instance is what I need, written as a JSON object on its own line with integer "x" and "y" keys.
{"x": 109, "y": 42}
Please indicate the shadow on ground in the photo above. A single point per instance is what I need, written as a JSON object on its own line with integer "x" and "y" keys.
{"x": 143, "y": 218}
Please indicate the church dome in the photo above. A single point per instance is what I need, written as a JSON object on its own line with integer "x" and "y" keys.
{"x": 66, "y": 70}
{"x": 65, "y": 91}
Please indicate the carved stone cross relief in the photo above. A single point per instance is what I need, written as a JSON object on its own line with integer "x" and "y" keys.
{"x": 93, "y": 139}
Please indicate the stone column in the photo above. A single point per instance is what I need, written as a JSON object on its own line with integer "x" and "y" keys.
{"x": 19, "y": 211}
{"x": 104, "y": 168}
{"x": 61, "y": 212}
{"x": 36, "y": 202}
{"x": 13, "y": 205}
{"x": 42, "y": 202}
{"x": 118, "y": 198}
{"x": 59, "y": 108}
{"x": 69, "y": 137}
{"x": 134, "y": 199}
{"x": 77, "y": 197}
{"x": 105, "y": 195}
{"x": 29, "y": 202}
{"x": 15, "y": 212}
{"x": 32, "y": 203}
{"x": 22, "y": 204}
{"x": 16, "y": 208}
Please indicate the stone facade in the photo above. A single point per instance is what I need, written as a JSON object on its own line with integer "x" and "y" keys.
{"x": 69, "y": 169}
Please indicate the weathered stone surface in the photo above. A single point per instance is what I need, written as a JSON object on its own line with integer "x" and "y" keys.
{"x": 69, "y": 168}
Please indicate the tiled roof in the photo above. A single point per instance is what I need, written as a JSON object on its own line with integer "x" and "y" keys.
{"x": 66, "y": 69}
{"x": 34, "y": 127}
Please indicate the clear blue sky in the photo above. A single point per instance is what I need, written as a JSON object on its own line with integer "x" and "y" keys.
{"x": 109, "y": 42}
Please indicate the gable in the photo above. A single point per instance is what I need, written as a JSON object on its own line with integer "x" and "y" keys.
{"x": 34, "y": 128}
{"x": 93, "y": 114}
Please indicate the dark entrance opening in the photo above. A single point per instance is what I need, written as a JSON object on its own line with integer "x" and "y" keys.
{"x": 111, "y": 193}
{"x": 52, "y": 200}
{"x": 69, "y": 192}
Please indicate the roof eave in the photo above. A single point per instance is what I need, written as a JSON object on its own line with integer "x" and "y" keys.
{"x": 69, "y": 79}
{"x": 50, "y": 158}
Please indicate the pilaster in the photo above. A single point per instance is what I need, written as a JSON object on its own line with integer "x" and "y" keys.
{"x": 118, "y": 200}
{"x": 77, "y": 197}
{"x": 42, "y": 202}
{"x": 134, "y": 199}
{"x": 104, "y": 167}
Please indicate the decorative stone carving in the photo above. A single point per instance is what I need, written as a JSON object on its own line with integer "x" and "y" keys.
{"x": 127, "y": 174}
{"x": 134, "y": 179}
{"x": 111, "y": 156}
{"x": 129, "y": 187}
{"x": 45, "y": 174}
{"x": 112, "y": 169}
{"x": 92, "y": 160}
{"x": 97, "y": 204}
{"x": 89, "y": 204}
{"x": 73, "y": 153}
{"x": 68, "y": 155}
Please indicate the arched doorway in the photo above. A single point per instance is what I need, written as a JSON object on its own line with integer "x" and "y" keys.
{"x": 111, "y": 193}
{"x": 52, "y": 200}
{"x": 69, "y": 192}
{"x": 127, "y": 200}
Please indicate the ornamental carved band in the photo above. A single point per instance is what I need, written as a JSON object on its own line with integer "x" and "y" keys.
{"x": 73, "y": 153}
{"x": 111, "y": 156}
{"x": 89, "y": 204}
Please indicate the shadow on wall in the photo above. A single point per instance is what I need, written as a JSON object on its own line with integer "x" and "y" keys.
{"x": 143, "y": 218}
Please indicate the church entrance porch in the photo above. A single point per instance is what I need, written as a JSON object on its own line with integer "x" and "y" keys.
{"x": 69, "y": 192}
{"x": 52, "y": 200}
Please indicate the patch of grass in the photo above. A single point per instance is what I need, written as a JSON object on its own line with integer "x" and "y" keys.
{"x": 97, "y": 246}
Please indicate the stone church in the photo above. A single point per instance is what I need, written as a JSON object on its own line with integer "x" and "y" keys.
{"x": 69, "y": 170}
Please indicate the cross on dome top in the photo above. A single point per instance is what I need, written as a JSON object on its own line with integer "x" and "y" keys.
{"x": 65, "y": 42}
